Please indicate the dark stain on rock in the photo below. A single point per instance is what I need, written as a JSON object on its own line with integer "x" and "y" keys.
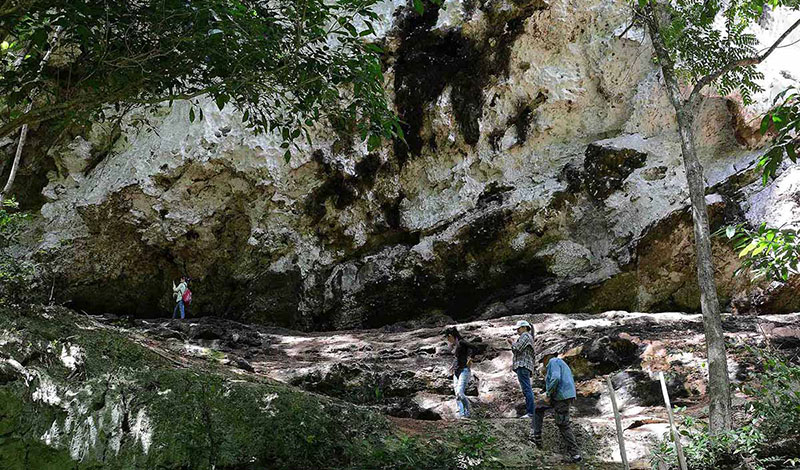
{"x": 485, "y": 231}
{"x": 495, "y": 137}
{"x": 604, "y": 171}
{"x": 655, "y": 173}
{"x": 367, "y": 170}
{"x": 493, "y": 192}
{"x": 430, "y": 61}
{"x": 391, "y": 212}
{"x": 341, "y": 188}
{"x": 520, "y": 121}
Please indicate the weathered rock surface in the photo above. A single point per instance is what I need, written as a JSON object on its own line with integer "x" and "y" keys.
{"x": 123, "y": 393}
{"x": 402, "y": 370}
{"x": 541, "y": 173}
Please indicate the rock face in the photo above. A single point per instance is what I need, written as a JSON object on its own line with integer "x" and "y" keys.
{"x": 541, "y": 171}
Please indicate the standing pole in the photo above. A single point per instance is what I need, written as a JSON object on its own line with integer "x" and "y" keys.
{"x": 617, "y": 418}
{"x": 675, "y": 436}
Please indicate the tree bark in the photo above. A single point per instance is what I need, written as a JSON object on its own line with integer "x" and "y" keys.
{"x": 718, "y": 381}
{"x": 23, "y": 134}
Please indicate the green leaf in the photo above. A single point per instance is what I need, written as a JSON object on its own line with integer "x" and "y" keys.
{"x": 765, "y": 123}
{"x": 759, "y": 248}
{"x": 750, "y": 247}
{"x": 373, "y": 142}
{"x": 419, "y": 7}
{"x": 191, "y": 114}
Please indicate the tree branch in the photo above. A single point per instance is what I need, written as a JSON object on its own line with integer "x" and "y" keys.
{"x": 44, "y": 113}
{"x": 694, "y": 96}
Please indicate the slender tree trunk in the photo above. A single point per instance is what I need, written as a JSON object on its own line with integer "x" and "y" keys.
{"x": 23, "y": 133}
{"x": 718, "y": 382}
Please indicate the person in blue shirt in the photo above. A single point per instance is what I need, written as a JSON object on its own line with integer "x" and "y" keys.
{"x": 560, "y": 393}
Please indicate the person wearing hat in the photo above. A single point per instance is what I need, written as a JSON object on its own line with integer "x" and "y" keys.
{"x": 523, "y": 363}
{"x": 560, "y": 393}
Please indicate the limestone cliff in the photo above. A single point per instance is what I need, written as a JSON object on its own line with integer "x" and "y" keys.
{"x": 541, "y": 172}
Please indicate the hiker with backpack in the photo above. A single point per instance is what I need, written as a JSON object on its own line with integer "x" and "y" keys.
{"x": 560, "y": 394}
{"x": 523, "y": 363}
{"x": 463, "y": 352}
{"x": 183, "y": 297}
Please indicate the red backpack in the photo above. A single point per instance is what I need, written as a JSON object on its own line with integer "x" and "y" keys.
{"x": 187, "y": 296}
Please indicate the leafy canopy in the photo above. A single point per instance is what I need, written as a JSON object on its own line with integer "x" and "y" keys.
{"x": 285, "y": 64}
{"x": 704, "y": 38}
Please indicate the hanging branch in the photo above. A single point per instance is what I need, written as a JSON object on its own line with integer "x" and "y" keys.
{"x": 694, "y": 96}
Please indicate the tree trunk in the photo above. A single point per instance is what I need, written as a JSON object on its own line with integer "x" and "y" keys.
{"x": 718, "y": 382}
{"x": 23, "y": 134}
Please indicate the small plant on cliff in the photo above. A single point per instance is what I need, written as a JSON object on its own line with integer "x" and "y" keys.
{"x": 700, "y": 44}
{"x": 776, "y": 396}
{"x": 766, "y": 252}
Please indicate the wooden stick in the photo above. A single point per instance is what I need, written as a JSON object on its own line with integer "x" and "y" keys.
{"x": 617, "y": 418}
{"x": 675, "y": 436}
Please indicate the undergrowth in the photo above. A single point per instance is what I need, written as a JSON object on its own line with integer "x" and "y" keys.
{"x": 767, "y": 441}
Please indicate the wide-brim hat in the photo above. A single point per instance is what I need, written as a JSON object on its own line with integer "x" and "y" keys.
{"x": 522, "y": 323}
{"x": 551, "y": 351}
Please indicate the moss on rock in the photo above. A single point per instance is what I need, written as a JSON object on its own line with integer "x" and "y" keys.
{"x": 119, "y": 405}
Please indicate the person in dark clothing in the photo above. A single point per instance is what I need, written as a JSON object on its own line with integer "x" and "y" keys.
{"x": 560, "y": 393}
{"x": 463, "y": 352}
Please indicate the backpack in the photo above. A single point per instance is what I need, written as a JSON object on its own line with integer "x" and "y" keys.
{"x": 187, "y": 296}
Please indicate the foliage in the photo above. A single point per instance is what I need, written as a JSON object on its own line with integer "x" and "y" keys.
{"x": 767, "y": 253}
{"x": 784, "y": 120}
{"x": 777, "y": 396}
{"x": 14, "y": 274}
{"x": 286, "y": 65}
{"x": 470, "y": 448}
{"x": 10, "y": 222}
{"x": 774, "y": 414}
{"x": 772, "y": 253}
{"x": 705, "y": 38}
